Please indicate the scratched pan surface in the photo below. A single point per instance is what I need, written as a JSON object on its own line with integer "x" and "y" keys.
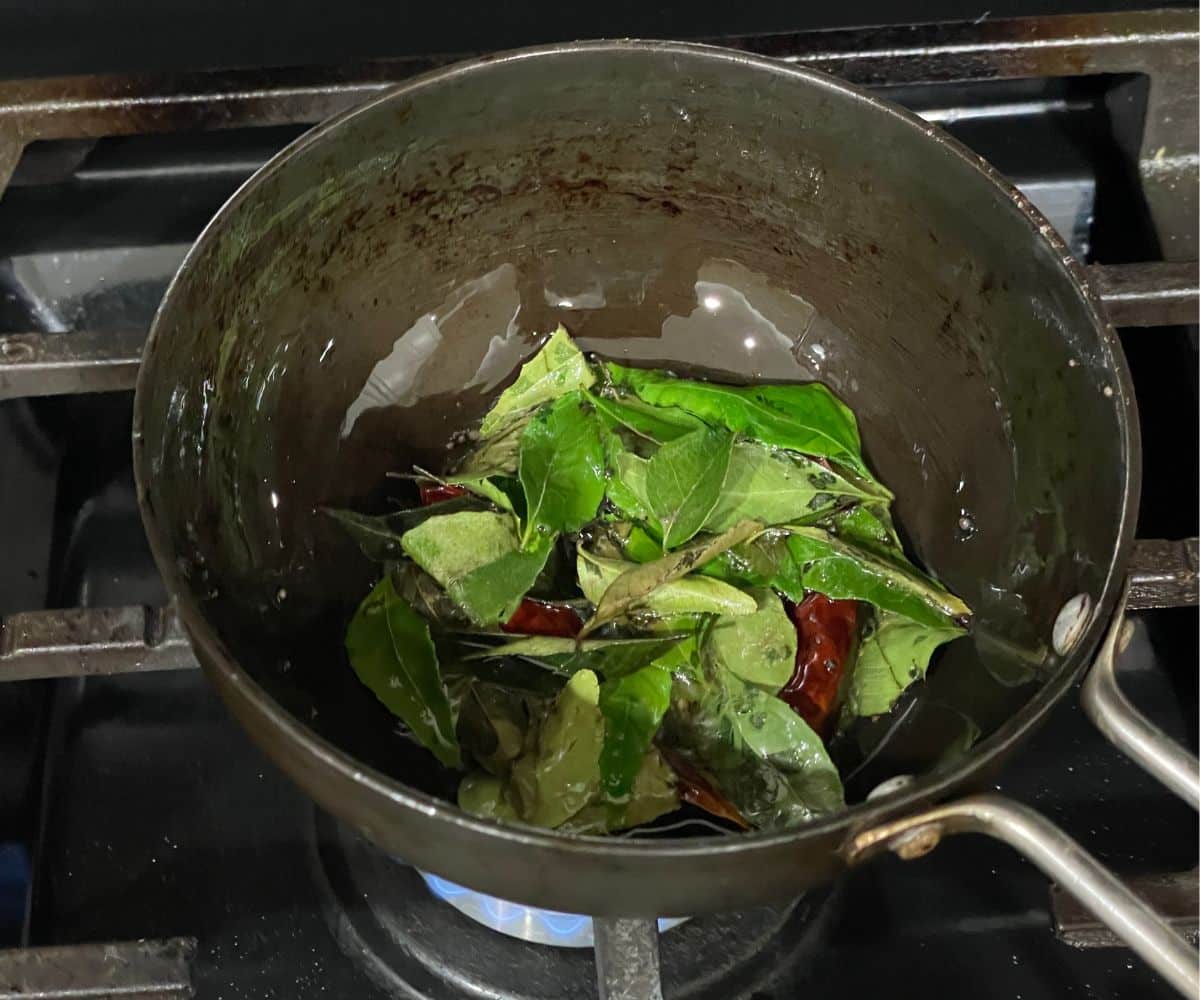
{"x": 373, "y": 288}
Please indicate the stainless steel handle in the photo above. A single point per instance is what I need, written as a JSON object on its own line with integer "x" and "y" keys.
{"x": 1052, "y": 850}
{"x": 1126, "y": 728}
{"x": 1056, "y": 854}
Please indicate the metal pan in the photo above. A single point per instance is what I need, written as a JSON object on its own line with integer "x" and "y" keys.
{"x": 369, "y": 290}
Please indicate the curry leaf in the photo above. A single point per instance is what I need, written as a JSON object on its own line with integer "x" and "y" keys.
{"x": 379, "y": 535}
{"x": 777, "y": 488}
{"x": 562, "y": 468}
{"x": 392, "y": 653}
{"x": 759, "y": 648}
{"x": 626, "y": 488}
{"x": 761, "y": 755}
{"x": 558, "y": 368}
{"x": 556, "y": 782}
{"x": 839, "y": 570}
{"x": 475, "y": 556}
{"x": 480, "y": 483}
{"x": 634, "y": 586}
{"x": 890, "y": 658}
{"x": 633, "y": 707}
{"x": 611, "y": 658}
{"x": 552, "y": 784}
{"x": 450, "y": 546}
{"x": 611, "y": 584}
{"x": 652, "y": 795}
{"x": 805, "y": 418}
{"x": 514, "y": 675}
{"x": 491, "y": 593}
{"x": 499, "y": 454}
{"x": 654, "y": 424}
{"x": 683, "y": 482}
{"x": 487, "y": 796}
{"x": 868, "y": 526}
{"x": 492, "y": 724}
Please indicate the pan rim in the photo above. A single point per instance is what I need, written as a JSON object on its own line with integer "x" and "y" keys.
{"x": 974, "y": 766}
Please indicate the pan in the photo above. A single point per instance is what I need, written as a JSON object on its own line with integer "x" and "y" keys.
{"x": 368, "y": 293}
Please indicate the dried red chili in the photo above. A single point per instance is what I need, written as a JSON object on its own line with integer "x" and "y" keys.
{"x": 437, "y": 492}
{"x": 695, "y": 789}
{"x": 825, "y": 631}
{"x": 534, "y": 617}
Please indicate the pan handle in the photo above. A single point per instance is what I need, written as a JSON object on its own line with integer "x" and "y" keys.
{"x": 1056, "y": 854}
{"x": 1051, "y": 849}
{"x": 1126, "y": 728}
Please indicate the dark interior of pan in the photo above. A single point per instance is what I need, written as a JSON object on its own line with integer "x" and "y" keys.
{"x": 373, "y": 288}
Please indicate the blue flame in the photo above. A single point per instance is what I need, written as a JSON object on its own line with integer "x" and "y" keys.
{"x": 529, "y": 923}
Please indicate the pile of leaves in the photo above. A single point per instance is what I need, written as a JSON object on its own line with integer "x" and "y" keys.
{"x": 636, "y": 590}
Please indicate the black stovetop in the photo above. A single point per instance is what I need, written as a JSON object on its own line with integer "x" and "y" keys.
{"x": 133, "y": 807}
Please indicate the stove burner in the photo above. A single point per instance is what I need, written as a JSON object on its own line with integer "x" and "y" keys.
{"x": 413, "y": 942}
{"x": 526, "y": 923}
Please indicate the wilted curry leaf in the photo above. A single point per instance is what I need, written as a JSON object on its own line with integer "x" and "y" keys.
{"x": 658, "y": 592}
{"x": 499, "y": 454}
{"x": 635, "y": 585}
{"x": 392, "y": 653}
{"x": 683, "y": 482}
{"x": 558, "y": 368}
{"x": 633, "y": 707}
{"x": 562, "y": 468}
{"x": 805, "y": 418}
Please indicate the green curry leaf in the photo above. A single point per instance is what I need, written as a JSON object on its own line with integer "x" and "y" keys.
{"x": 653, "y": 424}
{"x": 840, "y": 570}
{"x": 805, "y": 418}
{"x": 558, "y": 368}
{"x": 761, "y": 755}
{"x": 683, "y": 482}
{"x": 611, "y": 658}
{"x": 476, "y": 557}
{"x": 633, "y": 707}
{"x": 562, "y": 468}
{"x": 778, "y": 488}
{"x": 636, "y": 584}
{"x": 379, "y": 535}
{"x": 563, "y": 775}
{"x": 392, "y": 653}
{"x": 759, "y": 648}
{"x": 617, "y": 587}
{"x": 891, "y": 656}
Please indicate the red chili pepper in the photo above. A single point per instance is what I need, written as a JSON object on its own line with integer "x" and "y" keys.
{"x": 543, "y": 618}
{"x": 694, "y": 788}
{"x": 825, "y": 631}
{"x": 437, "y": 492}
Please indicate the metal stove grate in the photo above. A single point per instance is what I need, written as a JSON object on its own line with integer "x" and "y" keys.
{"x": 1161, "y": 45}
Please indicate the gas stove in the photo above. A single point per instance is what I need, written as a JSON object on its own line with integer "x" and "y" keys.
{"x": 147, "y": 849}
